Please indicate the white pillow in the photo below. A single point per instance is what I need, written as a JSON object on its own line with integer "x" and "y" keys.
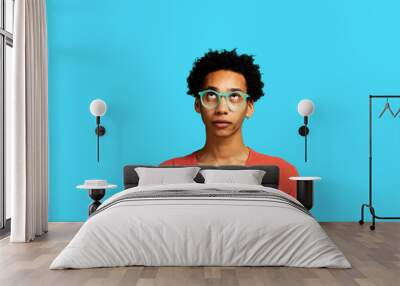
{"x": 162, "y": 176}
{"x": 250, "y": 176}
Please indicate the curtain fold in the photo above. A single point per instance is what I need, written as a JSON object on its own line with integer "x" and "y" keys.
{"x": 27, "y": 123}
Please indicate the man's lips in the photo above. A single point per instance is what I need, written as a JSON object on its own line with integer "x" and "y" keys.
{"x": 221, "y": 123}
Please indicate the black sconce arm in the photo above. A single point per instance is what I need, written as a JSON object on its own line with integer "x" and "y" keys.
{"x": 303, "y": 131}
{"x": 100, "y": 131}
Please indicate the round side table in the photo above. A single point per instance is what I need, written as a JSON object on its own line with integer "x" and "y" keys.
{"x": 96, "y": 193}
{"x": 305, "y": 190}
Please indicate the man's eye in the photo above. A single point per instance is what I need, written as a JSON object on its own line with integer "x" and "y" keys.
{"x": 235, "y": 96}
{"x": 211, "y": 93}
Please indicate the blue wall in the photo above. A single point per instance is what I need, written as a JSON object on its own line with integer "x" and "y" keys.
{"x": 136, "y": 56}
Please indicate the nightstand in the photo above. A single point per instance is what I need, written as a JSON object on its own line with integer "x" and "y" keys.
{"x": 97, "y": 190}
{"x": 305, "y": 189}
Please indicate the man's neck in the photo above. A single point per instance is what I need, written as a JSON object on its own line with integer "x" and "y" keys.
{"x": 223, "y": 149}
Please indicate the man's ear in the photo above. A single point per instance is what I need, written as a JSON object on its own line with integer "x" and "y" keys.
{"x": 250, "y": 108}
{"x": 197, "y": 105}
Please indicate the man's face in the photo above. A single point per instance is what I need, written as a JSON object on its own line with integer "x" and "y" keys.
{"x": 224, "y": 81}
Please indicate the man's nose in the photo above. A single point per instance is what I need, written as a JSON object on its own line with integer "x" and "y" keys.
{"x": 222, "y": 105}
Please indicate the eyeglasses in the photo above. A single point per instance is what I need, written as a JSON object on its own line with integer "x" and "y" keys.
{"x": 235, "y": 100}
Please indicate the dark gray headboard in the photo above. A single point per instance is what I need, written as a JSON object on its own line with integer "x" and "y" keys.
{"x": 270, "y": 179}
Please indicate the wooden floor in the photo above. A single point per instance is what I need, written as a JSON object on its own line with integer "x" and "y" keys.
{"x": 374, "y": 255}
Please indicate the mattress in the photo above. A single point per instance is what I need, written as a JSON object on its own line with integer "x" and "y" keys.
{"x": 197, "y": 224}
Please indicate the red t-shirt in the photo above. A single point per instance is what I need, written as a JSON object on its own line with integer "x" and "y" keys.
{"x": 286, "y": 169}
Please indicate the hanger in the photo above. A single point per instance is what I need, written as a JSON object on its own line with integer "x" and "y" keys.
{"x": 387, "y": 107}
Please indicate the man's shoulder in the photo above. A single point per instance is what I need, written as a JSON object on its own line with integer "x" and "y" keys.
{"x": 169, "y": 162}
{"x": 264, "y": 159}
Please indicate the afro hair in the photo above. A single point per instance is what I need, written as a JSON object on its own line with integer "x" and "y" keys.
{"x": 226, "y": 60}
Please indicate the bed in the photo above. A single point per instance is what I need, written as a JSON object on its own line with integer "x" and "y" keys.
{"x": 201, "y": 224}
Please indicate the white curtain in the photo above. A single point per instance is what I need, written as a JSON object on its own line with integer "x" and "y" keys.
{"x": 27, "y": 122}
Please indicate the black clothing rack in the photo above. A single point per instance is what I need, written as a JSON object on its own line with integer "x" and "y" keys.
{"x": 369, "y": 205}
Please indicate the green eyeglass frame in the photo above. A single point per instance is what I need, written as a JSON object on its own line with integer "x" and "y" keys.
{"x": 233, "y": 104}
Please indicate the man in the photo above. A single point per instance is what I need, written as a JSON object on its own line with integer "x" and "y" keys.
{"x": 225, "y": 86}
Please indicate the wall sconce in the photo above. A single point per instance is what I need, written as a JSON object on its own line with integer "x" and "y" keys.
{"x": 98, "y": 108}
{"x": 305, "y": 109}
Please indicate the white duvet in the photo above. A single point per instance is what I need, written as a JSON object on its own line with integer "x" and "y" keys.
{"x": 183, "y": 231}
